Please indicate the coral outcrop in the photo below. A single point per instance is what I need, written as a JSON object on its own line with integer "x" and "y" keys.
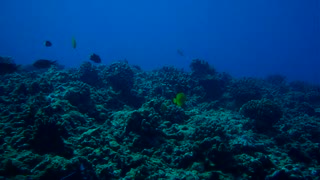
{"x": 120, "y": 122}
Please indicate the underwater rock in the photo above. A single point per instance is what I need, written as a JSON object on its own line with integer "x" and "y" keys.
{"x": 48, "y": 138}
{"x": 305, "y": 108}
{"x": 7, "y": 65}
{"x": 44, "y": 63}
{"x": 244, "y": 90}
{"x": 313, "y": 96}
{"x": 120, "y": 76}
{"x": 89, "y": 74}
{"x": 276, "y": 79}
{"x": 60, "y": 124}
{"x": 263, "y": 112}
{"x": 212, "y": 87}
{"x": 78, "y": 94}
{"x": 201, "y": 68}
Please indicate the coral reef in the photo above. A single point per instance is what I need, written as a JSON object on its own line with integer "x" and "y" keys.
{"x": 263, "y": 112}
{"x": 120, "y": 76}
{"x": 120, "y": 122}
{"x": 7, "y": 65}
{"x": 244, "y": 90}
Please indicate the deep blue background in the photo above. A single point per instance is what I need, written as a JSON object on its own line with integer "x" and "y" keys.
{"x": 244, "y": 38}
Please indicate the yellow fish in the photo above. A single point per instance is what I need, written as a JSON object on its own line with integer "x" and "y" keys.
{"x": 74, "y": 43}
{"x": 180, "y": 99}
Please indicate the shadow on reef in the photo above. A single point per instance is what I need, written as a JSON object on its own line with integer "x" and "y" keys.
{"x": 120, "y": 122}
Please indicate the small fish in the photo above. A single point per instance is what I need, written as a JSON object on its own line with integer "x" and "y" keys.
{"x": 180, "y": 99}
{"x": 180, "y": 52}
{"x": 95, "y": 58}
{"x": 74, "y": 43}
{"x": 44, "y": 63}
{"x": 47, "y": 43}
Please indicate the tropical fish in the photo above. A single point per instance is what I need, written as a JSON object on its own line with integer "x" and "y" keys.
{"x": 47, "y": 43}
{"x": 44, "y": 63}
{"x": 74, "y": 43}
{"x": 180, "y": 99}
{"x": 95, "y": 58}
{"x": 180, "y": 52}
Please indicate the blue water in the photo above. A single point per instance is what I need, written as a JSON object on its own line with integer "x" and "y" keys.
{"x": 244, "y": 38}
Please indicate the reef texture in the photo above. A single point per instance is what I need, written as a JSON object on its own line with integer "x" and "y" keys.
{"x": 119, "y": 122}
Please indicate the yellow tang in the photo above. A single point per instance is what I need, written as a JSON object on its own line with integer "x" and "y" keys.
{"x": 74, "y": 43}
{"x": 180, "y": 99}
